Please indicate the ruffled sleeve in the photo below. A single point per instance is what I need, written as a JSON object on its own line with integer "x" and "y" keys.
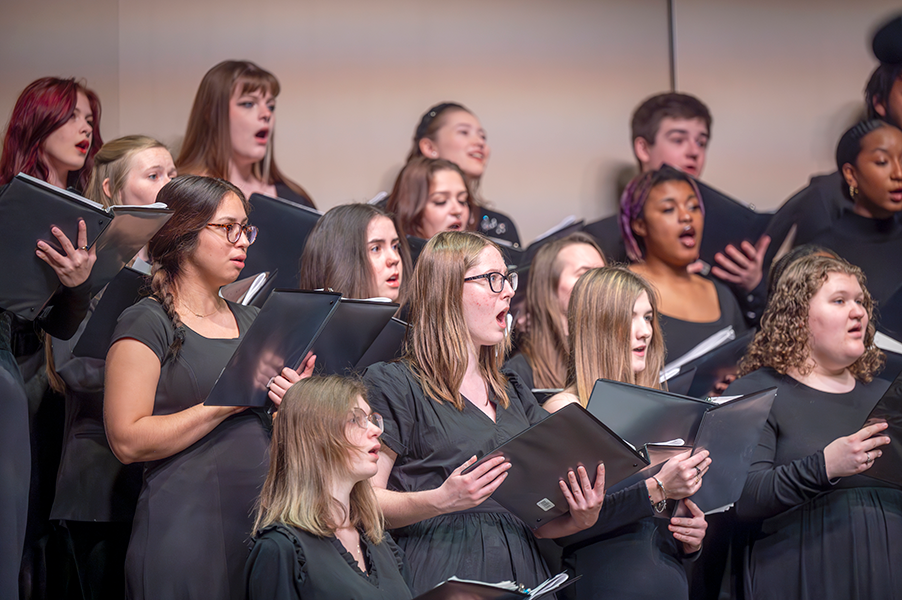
{"x": 276, "y": 567}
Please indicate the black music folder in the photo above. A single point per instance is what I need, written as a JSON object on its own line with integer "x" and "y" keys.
{"x": 888, "y": 467}
{"x": 889, "y": 316}
{"x": 250, "y": 291}
{"x": 730, "y": 431}
{"x": 463, "y": 589}
{"x": 123, "y": 291}
{"x": 519, "y": 257}
{"x": 283, "y": 230}
{"x": 606, "y": 232}
{"x": 29, "y": 208}
{"x": 389, "y": 345}
{"x": 539, "y": 460}
{"x": 714, "y": 366}
{"x": 131, "y": 229}
{"x": 727, "y": 221}
{"x": 644, "y": 415}
{"x": 291, "y": 323}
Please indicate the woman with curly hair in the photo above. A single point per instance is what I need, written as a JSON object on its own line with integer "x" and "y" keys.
{"x": 805, "y": 496}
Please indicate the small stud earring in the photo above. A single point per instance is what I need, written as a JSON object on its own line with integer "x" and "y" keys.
{"x": 434, "y": 154}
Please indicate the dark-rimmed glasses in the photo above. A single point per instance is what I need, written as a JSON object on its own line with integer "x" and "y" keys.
{"x": 233, "y": 231}
{"x": 496, "y": 280}
{"x": 362, "y": 420}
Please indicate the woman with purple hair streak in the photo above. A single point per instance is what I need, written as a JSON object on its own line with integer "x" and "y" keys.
{"x": 662, "y": 221}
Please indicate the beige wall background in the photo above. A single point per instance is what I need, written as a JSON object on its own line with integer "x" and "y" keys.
{"x": 554, "y": 83}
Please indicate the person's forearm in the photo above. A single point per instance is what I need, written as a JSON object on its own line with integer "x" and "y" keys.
{"x": 406, "y": 508}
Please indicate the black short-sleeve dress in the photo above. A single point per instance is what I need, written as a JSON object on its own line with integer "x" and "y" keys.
{"x": 192, "y": 527}
{"x": 288, "y": 563}
{"x": 813, "y": 538}
{"x": 485, "y": 543}
{"x": 682, "y": 336}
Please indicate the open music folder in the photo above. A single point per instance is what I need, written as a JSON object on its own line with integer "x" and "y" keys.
{"x": 543, "y": 454}
{"x": 283, "y": 230}
{"x": 888, "y": 467}
{"x": 729, "y": 431}
{"x": 463, "y": 589}
{"x": 291, "y": 323}
{"x": 30, "y": 208}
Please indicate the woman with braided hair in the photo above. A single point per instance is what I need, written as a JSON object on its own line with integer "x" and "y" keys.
{"x": 204, "y": 465}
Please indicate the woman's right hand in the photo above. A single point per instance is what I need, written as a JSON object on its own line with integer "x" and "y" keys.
{"x": 682, "y": 475}
{"x": 460, "y": 492}
{"x": 854, "y": 453}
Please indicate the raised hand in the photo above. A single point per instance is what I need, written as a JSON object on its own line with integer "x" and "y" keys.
{"x": 73, "y": 268}
{"x": 742, "y": 266}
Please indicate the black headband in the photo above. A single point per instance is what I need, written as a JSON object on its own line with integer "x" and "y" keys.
{"x": 430, "y": 115}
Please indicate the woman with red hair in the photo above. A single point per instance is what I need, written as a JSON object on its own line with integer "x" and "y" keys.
{"x": 53, "y": 135}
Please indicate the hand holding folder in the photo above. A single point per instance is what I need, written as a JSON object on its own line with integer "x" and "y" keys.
{"x": 728, "y": 431}
{"x": 544, "y": 454}
{"x": 888, "y": 466}
{"x": 292, "y": 323}
{"x": 32, "y": 210}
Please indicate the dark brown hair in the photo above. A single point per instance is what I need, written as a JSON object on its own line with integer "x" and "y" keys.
{"x": 411, "y": 190}
{"x": 207, "y": 147}
{"x": 194, "y": 201}
{"x": 335, "y": 255}
{"x": 648, "y": 115}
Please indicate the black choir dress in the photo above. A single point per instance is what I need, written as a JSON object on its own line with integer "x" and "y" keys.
{"x": 682, "y": 336}
{"x": 812, "y": 538}
{"x": 496, "y": 225}
{"x": 628, "y": 553}
{"x": 192, "y": 527}
{"x": 485, "y": 543}
{"x": 287, "y": 563}
{"x": 872, "y": 244}
{"x": 812, "y": 210}
{"x": 519, "y": 364}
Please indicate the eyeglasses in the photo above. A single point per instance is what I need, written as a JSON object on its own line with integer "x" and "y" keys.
{"x": 496, "y": 280}
{"x": 233, "y": 231}
{"x": 362, "y": 420}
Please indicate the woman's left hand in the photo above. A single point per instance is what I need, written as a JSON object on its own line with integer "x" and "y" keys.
{"x": 288, "y": 377}
{"x": 689, "y": 530}
{"x": 743, "y": 266}
{"x": 585, "y": 500}
{"x": 73, "y": 268}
